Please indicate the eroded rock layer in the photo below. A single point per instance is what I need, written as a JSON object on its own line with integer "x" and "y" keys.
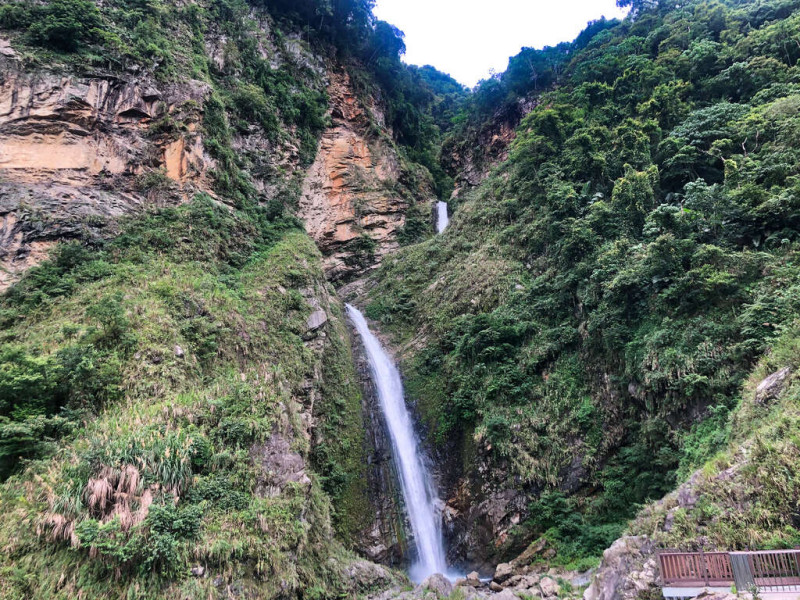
{"x": 74, "y": 153}
{"x": 358, "y": 190}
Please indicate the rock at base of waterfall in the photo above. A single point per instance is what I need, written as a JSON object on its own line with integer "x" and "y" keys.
{"x": 437, "y": 583}
{"x": 549, "y": 587}
{"x": 473, "y": 580}
{"x": 363, "y": 575}
{"x": 527, "y": 582}
{"x": 503, "y": 572}
{"x": 506, "y": 594}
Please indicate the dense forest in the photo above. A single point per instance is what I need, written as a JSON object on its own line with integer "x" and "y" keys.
{"x": 587, "y": 333}
{"x": 613, "y": 283}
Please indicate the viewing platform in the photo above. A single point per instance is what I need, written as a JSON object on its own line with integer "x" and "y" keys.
{"x": 773, "y": 574}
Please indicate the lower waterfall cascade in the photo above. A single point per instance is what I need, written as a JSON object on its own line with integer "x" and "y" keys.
{"x": 419, "y": 493}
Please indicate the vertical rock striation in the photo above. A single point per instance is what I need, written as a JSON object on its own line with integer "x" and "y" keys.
{"x": 357, "y": 192}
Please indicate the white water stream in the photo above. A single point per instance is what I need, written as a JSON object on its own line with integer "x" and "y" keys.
{"x": 442, "y": 218}
{"x": 418, "y": 490}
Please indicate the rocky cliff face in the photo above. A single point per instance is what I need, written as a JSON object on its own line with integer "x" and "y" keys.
{"x": 77, "y": 152}
{"x": 74, "y": 152}
{"x": 358, "y": 190}
{"x": 470, "y": 158}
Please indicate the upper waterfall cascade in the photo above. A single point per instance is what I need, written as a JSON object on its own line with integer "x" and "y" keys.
{"x": 442, "y": 218}
{"x": 419, "y": 493}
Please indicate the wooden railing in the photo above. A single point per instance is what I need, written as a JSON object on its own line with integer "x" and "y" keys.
{"x": 765, "y": 570}
{"x": 693, "y": 569}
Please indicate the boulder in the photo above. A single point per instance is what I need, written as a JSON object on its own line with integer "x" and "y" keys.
{"x": 503, "y": 572}
{"x": 770, "y": 388}
{"x": 506, "y": 594}
{"x": 363, "y": 575}
{"x": 471, "y": 593}
{"x": 316, "y": 319}
{"x": 626, "y": 571}
{"x": 474, "y": 580}
{"x": 549, "y": 587}
{"x": 537, "y": 548}
{"x": 279, "y": 466}
{"x": 437, "y": 583}
{"x": 496, "y": 587}
{"x": 582, "y": 579}
{"x": 527, "y": 582}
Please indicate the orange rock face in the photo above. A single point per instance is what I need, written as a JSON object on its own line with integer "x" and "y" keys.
{"x": 71, "y": 149}
{"x": 354, "y": 187}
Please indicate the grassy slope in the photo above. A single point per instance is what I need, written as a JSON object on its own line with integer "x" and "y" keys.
{"x": 746, "y": 496}
{"x": 597, "y": 303}
{"x": 184, "y": 425}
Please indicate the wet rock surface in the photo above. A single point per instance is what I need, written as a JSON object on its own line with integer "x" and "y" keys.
{"x": 511, "y": 581}
{"x": 384, "y": 539}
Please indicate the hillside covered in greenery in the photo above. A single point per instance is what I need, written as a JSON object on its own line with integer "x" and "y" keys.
{"x": 159, "y": 374}
{"x": 180, "y": 408}
{"x": 586, "y": 324}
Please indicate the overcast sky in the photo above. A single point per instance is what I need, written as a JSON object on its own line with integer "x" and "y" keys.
{"x": 468, "y": 38}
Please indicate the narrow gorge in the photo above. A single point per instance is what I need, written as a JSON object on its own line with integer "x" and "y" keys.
{"x": 419, "y": 490}
{"x": 246, "y": 354}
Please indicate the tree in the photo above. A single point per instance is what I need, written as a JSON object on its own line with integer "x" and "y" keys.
{"x": 65, "y": 24}
{"x": 387, "y": 41}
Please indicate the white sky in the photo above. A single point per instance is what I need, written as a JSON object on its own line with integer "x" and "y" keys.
{"x": 468, "y": 38}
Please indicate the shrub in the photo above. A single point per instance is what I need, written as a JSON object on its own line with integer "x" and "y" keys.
{"x": 65, "y": 25}
{"x": 15, "y": 15}
{"x": 29, "y": 437}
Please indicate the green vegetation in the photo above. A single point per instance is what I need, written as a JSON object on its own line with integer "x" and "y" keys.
{"x": 142, "y": 377}
{"x": 597, "y": 303}
{"x": 286, "y": 101}
{"x": 581, "y": 332}
{"x": 747, "y": 495}
{"x": 160, "y": 396}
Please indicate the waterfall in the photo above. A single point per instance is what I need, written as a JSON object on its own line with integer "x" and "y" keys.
{"x": 420, "y": 497}
{"x": 442, "y": 219}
